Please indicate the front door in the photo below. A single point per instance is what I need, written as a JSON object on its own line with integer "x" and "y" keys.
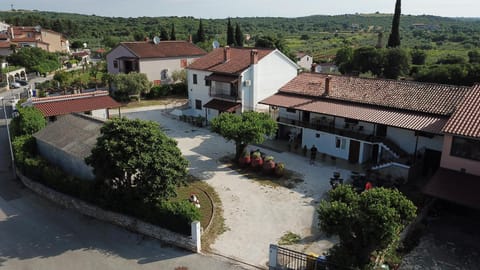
{"x": 306, "y": 117}
{"x": 354, "y": 151}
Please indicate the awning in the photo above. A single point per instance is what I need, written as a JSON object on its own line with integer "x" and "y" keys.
{"x": 455, "y": 186}
{"x": 222, "y": 78}
{"x": 222, "y": 105}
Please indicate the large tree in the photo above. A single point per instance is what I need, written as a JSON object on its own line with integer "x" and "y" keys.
{"x": 29, "y": 121}
{"x": 230, "y": 34}
{"x": 134, "y": 158}
{"x": 200, "y": 33}
{"x": 394, "y": 38}
{"x": 344, "y": 60}
{"x": 163, "y": 34}
{"x": 397, "y": 63}
{"x": 367, "y": 59}
{"x": 244, "y": 129}
{"x": 130, "y": 84}
{"x": 238, "y": 35}
{"x": 173, "y": 36}
{"x": 365, "y": 223}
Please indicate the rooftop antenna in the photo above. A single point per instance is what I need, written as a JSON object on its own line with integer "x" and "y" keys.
{"x": 156, "y": 40}
{"x": 215, "y": 44}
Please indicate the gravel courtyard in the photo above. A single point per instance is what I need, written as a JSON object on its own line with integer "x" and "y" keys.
{"x": 256, "y": 215}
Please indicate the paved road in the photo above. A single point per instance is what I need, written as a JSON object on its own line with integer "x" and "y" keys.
{"x": 36, "y": 234}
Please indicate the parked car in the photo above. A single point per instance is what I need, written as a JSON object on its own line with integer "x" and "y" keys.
{"x": 22, "y": 82}
{"x": 15, "y": 85}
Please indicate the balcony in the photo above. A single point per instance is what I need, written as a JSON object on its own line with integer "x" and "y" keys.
{"x": 229, "y": 94}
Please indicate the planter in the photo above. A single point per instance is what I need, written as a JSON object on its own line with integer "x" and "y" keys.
{"x": 244, "y": 161}
{"x": 280, "y": 169}
{"x": 257, "y": 163}
{"x": 268, "y": 164}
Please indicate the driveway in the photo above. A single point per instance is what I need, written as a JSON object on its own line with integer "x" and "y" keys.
{"x": 256, "y": 215}
{"x": 37, "y": 234}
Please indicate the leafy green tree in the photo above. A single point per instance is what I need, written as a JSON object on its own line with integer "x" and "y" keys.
{"x": 365, "y": 223}
{"x": 179, "y": 76}
{"x": 397, "y": 63}
{"x": 344, "y": 60}
{"x": 244, "y": 129}
{"x": 274, "y": 43}
{"x": 64, "y": 78}
{"x": 474, "y": 57}
{"x": 135, "y": 159}
{"x": 418, "y": 57}
{"x": 163, "y": 34}
{"x": 367, "y": 59}
{"x": 35, "y": 59}
{"x": 173, "y": 36}
{"x": 76, "y": 45}
{"x": 200, "y": 33}
{"x": 451, "y": 59}
{"x": 29, "y": 121}
{"x": 110, "y": 41}
{"x": 394, "y": 38}
{"x": 139, "y": 36}
{"x": 238, "y": 36}
{"x": 230, "y": 34}
{"x": 130, "y": 84}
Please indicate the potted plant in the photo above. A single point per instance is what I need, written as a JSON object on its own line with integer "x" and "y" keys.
{"x": 245, "y": 159}
{"x": 257, "y": 161}
{"x": 279, "y": 169}
{"x": 268, "y": 164}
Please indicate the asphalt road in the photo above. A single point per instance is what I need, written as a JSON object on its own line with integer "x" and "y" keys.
{"x": 37, "y": 234}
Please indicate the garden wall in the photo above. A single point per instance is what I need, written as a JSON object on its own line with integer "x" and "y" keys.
{"x": 127, "y": 222}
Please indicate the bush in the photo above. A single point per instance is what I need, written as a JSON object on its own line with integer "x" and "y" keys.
{"x": 159, "y": 91}
{"x": 179, "y": 89}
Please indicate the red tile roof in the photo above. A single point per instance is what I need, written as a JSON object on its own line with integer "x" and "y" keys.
{"x": 163, "y": 49}
{"x": 5, "y": 44}
{"x": 406, "y": 95}
{"x": 239, "y": 60}
{"x": 367, "y": 113}
{"x": 60, "y": 105}
{"x": 222, "y": 105}
{"x": 466, "y": 119}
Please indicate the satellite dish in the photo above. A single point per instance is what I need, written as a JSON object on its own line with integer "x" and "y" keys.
{"x": 156, "y": 40}
{"x": 215, "y": 44}
{"x": 84, "y": 45}
{"x": 38, "y": 28}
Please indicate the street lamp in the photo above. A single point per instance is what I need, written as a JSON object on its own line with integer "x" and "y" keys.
{"x": 9, "y": 139}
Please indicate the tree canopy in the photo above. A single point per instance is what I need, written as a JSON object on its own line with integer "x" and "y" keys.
{"x": 34, "y": 59}
{"x": 397, "y": 63}
{"x": 130, "y": 84}
{"x": 238, "y": 35}
{"x": 200, "y": 37}
{"x": 244, "y": 129}
{"x": 394, "y": 38}
{"x": 135, "y": 158}
{"x": 29, "y": 121}
{"x": 173, "y": 35}
{"x": 365, "y": 223}
{"x": 230, "y": 34}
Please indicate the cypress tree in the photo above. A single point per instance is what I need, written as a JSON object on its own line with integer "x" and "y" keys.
{"x": 172, "y": 33}
{"x": 230, "y": 34}
{"x": 394, "y": 38}
{"x": 238, "y": 35}
{"x": 201, "y": 33}
{"x": 163, "y": 34}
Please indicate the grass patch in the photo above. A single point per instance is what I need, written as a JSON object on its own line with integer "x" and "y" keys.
{"x": 153, "y": 102}
{"x": 290, "y": 179}
{"x": 289, "y": 238}
{"x": 208, "y": 211}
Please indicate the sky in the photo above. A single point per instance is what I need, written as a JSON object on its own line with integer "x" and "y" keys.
{"x": 246, "y": 8}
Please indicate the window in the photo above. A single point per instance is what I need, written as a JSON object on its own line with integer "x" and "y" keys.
{"x": 465, "y": 148}
{"x": 208, "y": 82}
{"x": 291, "y": 110}
{"x": 198, "y": 104}
{"x": 340, "y": 143}
{"x": 164, "y": 74}
{"x": 115, "y": 64}
{"x": 194, "y": 78}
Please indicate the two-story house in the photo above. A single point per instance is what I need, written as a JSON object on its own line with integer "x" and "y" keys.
{"x": 157, "y": 60}
{"x": 388, "y": 123}
{"x": 235, "y": 79}
{"x": 304, "y": 60}
{"x": 458, "y": 178}
{"x": 29, "y": 36}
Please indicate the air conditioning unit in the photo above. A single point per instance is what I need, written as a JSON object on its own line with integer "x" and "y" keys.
{"x": 247, "y": 82}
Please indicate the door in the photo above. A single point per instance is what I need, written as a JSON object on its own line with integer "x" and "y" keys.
{"x": 354, "y": 151}
{"x": 306, "y": 117}
{"x": 431, "y": 162}
{"x": 381, "y": 131}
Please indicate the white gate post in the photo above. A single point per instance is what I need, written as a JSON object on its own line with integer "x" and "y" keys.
{"x": 196, "y": 235}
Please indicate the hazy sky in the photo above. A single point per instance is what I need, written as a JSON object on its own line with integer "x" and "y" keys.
{"x": 246, "y": 8}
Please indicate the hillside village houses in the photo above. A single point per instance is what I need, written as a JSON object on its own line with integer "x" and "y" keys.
{"x": 304, "y": 60}
{"x": 31, "y": 36}
{"x": 156, "y": 59}
{"x": 235, "y": 80}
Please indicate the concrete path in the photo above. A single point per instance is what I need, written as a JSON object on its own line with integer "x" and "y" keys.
{"x": 256, "y": 215}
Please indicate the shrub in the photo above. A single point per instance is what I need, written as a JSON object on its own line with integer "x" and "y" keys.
{"x": 268, "y": 164}
{"x": 159, "y": 91}
{"x": 179, "y": 89}
{"x": 245, "y": 159}
{"x": 280, "y": 169}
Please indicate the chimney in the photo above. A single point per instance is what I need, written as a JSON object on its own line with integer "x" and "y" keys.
{"x": 190, "y": 39}
{"x": 253, "y": 57}
{"x": 226, "y": 53}
{"x": 327, "y": 85}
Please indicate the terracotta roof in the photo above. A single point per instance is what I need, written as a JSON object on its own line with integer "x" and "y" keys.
{"x": 222, "y": 105}
{"x": 454, "y": 186}
{"x": 60, "y": 105}
{"x": 5, "y": 44}
{"x": 407, "y": 95}
{"x": 163, "y": 49}
{"x": 222, "y": 78}
{"x": 3, "y": 36}
{"x": 239, "y": 60}
{"x": 362, "y": 112}
{"x": 466, "y": 119}
{"x": 27, "y": 39}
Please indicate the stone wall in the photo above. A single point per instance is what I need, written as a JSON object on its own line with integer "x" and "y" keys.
{"x": 124, "y": 221}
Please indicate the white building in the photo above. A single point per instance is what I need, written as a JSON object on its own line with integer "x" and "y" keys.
{"x": 156, "y": 60}
{"x": 304, "y": 60}
{"x": 236, "y": 79}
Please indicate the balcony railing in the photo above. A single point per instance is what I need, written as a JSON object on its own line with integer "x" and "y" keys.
{"x": 223, "y": 94}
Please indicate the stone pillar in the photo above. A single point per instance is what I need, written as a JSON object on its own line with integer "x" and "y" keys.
{"x": 196, "y": 235}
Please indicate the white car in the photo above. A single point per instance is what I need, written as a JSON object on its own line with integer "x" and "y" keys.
{"x": 15, "y": 85}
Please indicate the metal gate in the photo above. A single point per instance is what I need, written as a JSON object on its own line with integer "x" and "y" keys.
{"x": 285, "y": 259}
